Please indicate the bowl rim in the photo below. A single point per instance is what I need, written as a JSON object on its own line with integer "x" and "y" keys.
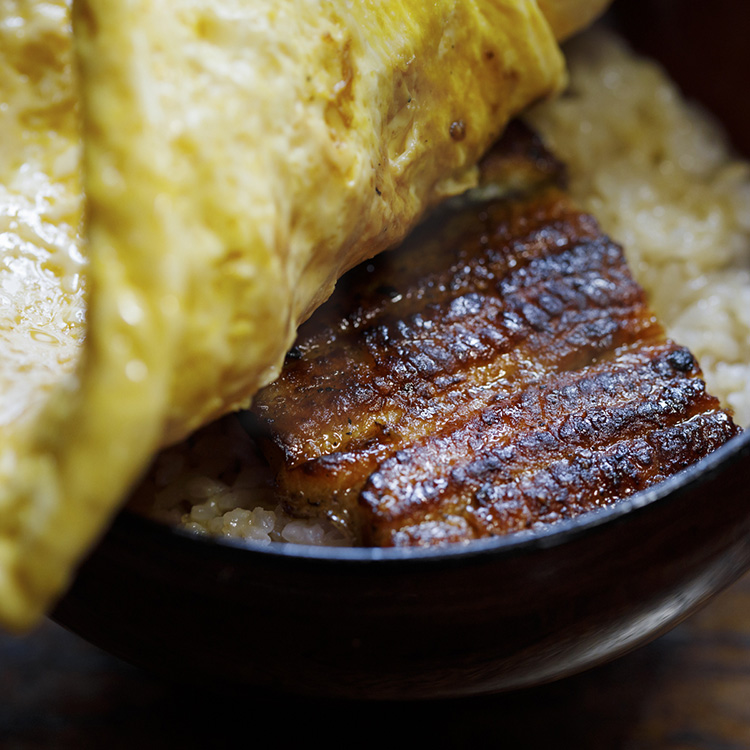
{"x": 732, "y": 453}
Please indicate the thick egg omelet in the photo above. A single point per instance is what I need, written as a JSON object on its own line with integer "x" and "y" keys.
{"x": 238, "y": 157}
{"x": 42, "y": 268}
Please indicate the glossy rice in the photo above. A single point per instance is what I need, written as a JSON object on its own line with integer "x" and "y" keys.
{"x": 661, "y": 179}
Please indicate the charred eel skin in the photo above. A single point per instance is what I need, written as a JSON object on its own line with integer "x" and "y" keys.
{"x": 499, "y": 371}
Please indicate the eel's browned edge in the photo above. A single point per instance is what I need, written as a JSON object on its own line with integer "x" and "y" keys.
{"x": 499, "y": 371}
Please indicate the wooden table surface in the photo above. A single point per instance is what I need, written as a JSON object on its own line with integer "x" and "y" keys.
{"x": 689, "y": 689}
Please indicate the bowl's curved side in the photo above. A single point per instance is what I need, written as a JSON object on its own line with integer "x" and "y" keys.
{"x": 458, "y": 624}
{"x": 473, "y": 620}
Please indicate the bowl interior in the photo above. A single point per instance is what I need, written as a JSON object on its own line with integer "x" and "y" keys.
{"x": 457, "y": 620}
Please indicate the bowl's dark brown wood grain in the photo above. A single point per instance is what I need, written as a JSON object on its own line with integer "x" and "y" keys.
{"x": 400, "y": 624}
{"x": 492, "y": 616}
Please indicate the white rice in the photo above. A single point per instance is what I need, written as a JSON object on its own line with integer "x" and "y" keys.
{"x": 217, "y": 484}
{"x": 660, "y": 178}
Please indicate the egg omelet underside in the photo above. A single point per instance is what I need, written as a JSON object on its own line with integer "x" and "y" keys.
{"x": 238, "y": 158}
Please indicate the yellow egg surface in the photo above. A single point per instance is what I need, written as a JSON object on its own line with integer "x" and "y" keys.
{"x": 41, "y": 256}
{"x": 238, "y": 157}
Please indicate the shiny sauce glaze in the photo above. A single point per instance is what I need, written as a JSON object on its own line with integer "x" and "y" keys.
{"x": 500, "y": 371}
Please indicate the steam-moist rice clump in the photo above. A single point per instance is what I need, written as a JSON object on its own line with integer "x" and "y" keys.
{"x": 659, "y": 177}
{"x": 216, "y": 483}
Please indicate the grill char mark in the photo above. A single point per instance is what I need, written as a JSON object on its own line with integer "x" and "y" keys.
{"x": 500, "y": 370}
{"x": 562, "y": 446}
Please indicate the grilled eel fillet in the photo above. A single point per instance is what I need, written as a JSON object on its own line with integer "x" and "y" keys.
{"x": 499, "y": 371}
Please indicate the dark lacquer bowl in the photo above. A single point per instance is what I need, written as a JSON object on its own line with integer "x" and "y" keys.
{"x": 491, "y": 616}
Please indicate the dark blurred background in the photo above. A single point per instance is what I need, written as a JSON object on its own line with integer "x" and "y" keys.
{"x": 688, "y": 689}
